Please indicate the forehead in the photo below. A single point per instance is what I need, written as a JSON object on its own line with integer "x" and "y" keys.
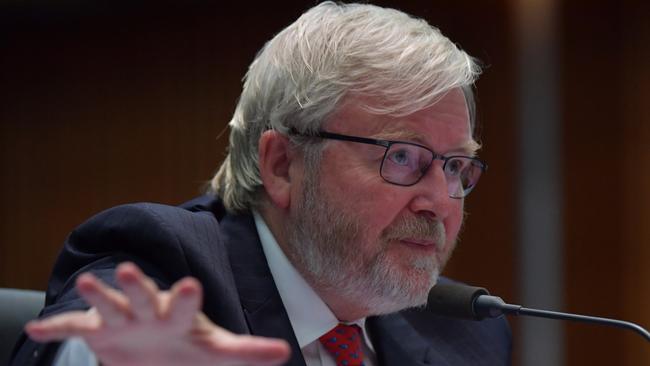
{"x": 444, "y": 126}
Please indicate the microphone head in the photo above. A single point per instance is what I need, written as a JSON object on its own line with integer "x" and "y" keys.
{"x": 455, "y": 300}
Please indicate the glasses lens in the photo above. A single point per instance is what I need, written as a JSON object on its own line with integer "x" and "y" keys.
{"x": 462, "y": 175}
{"x": 404, "y": 164}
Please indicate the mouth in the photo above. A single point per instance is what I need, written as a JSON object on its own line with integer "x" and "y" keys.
{"x": 423, "y": 249}
{"x": 424, "y": 245}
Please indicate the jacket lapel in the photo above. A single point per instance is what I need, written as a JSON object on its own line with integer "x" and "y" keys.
{"x": 261, "y": 302}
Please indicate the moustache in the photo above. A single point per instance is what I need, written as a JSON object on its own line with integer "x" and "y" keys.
{"x": 414, "y": 227}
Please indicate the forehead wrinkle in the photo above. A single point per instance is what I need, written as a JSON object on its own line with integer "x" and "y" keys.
{"x": 398, "y": 135}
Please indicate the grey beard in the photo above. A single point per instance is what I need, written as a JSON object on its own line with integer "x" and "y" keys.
{"x": 324, "y": 241}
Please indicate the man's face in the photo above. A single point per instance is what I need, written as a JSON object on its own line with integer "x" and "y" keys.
{"x": 379, "y": 244}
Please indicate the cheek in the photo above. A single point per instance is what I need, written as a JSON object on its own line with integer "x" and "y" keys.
{"x": 454, "y": 222}
{"x": 356, "y": 185}
{"x": 366, "y": 200}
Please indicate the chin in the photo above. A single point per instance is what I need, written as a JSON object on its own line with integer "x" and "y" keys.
{"x": 402, "y": 292}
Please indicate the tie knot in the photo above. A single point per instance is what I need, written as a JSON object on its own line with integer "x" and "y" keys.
{"x": 344, "y": 343}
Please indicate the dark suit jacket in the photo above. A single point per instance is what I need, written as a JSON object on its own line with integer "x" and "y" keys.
{"x": 224, "y": 253}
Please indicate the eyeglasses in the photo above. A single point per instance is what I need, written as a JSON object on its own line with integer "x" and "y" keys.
{"x": 405, "y": 163}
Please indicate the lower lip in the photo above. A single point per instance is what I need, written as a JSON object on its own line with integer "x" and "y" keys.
{"x": 427, "y": 248}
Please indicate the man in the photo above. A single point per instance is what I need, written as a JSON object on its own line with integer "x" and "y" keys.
{"x": 340, "y": 201}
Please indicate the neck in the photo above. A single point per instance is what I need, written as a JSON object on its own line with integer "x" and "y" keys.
{"x": 343, "y": 309}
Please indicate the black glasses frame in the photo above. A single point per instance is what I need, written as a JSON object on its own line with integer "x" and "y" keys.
{"x": 388, "y": 143}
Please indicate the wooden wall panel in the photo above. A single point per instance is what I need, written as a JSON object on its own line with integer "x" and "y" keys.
{"x": 108, "y": 106}
{"x": 635, "y": 238}
{"x": 605, "y": 86}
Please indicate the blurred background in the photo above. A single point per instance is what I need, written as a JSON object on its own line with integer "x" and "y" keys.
{"x": 108, "y": 102}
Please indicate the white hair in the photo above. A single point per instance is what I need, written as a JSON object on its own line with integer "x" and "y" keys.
{"x": 397, "y": 63}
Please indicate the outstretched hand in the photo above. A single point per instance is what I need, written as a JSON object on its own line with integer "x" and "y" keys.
{"x": 145, "y": 326}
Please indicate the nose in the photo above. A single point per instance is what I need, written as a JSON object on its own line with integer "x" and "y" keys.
{"x": 431, "y": 196}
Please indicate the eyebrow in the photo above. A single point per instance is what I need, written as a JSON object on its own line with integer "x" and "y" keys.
{"x": 469, "y": 148}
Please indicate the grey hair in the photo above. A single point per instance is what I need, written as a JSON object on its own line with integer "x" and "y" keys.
{"x": 397, "y": 64}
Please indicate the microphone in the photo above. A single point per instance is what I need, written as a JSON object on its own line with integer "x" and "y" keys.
{"x": 468, "y": 302}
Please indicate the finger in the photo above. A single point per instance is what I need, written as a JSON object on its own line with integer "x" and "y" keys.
{"x": 60, "y": 327}
{"x": 248, "y": 349}
{"x": 183, "y": 304}
{"x": 112, "y": 305}
{"x": 141, "y": 291}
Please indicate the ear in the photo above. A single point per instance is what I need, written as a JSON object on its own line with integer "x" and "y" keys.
{"x": 275, "y": 158}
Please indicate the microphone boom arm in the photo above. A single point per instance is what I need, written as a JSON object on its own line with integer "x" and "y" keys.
{"x": 487, "y": 306}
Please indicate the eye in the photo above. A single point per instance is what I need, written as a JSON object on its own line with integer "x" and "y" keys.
{"x": 400, "y": 157}
{"x": 455, "y": 167}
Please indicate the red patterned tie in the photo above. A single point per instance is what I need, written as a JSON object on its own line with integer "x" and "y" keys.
{"x": 344, "y": 343}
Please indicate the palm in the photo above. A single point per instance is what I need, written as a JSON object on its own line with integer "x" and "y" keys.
{"x": 145, "y": 326}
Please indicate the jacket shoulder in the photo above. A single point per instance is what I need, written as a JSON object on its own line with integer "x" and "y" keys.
{"x": 147, "y": 233}
{"x": 166, "y": 242}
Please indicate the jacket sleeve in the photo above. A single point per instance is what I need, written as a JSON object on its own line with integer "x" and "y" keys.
{"x": 141, "y": 233}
